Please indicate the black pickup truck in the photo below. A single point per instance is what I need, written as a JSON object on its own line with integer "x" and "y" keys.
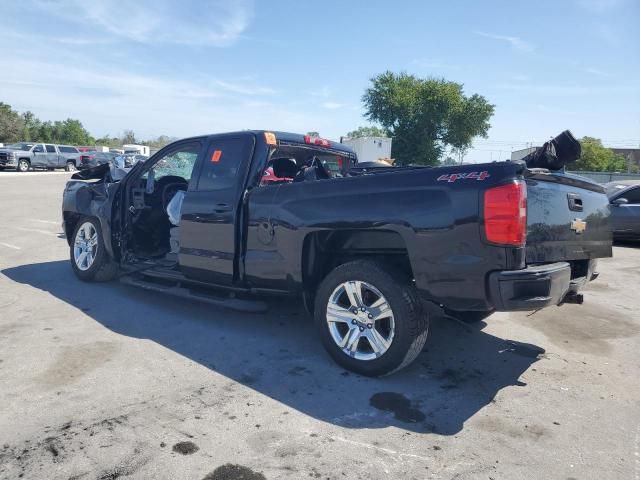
{"x": 370, "y": 250}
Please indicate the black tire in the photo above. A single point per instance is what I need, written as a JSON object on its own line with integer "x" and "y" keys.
{"x": 470, "y": 316}
{"x": 23, "y": 165}
{"x": 70, "y": 166}
{"x": 103, "y": 268}
{"x": 410, "y": 319}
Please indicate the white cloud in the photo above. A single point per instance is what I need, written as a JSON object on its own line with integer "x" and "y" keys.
{"x": 332, "y": 105}
{"x": 515, "y": 42}
{"x": 597, "y": 72}
{"x": 217, "y": 23}
{"x": 244, "y": 89}
{"x": 108, "y": 101}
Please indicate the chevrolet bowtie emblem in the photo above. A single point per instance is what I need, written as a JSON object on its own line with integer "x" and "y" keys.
{"x": 578, "y": 225}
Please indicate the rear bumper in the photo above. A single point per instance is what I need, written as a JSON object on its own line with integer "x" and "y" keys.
{"x": 531, "y": 288}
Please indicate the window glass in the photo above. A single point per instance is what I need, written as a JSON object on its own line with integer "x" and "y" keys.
{"x": 632, "y": 196}
{"x": 50, "y": 149}
{"x": 67, "y": 149}
{"x": 38, "y": 149}
{"x": 222, "y": 162}
{"x": 336, "y": 164}
{"x": 25, "y": 147}
{"x": 178, "y": 162}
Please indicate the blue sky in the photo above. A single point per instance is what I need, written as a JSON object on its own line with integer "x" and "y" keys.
{"x": 190, "y": 67}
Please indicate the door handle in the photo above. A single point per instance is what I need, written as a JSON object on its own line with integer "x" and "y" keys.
{"x": 222, "y": 207}
{"x": 575, "y": 202}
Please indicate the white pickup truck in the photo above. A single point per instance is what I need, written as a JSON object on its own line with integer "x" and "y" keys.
{"x": 24, "y": 156}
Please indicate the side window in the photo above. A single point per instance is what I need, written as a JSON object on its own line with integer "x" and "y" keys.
{"x": 222, "y": 162}
{"x": 632, "y": 196}
{"x": 177, "y": 162}
{"x": 50, "y": 149}
{"x": 38, "y": 149}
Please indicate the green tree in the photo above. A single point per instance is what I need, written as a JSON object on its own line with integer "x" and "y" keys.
{"x": 368, "y": 131}
{"x": 425, "y": 116}
{"x": 159, "y": 142}
{"x": 11, "y": 124}
{"x": 72, "y": 132}
{"x": 597, "y": 158}
{"x": 128, "y": 136}
{"x": 31, "y": 125}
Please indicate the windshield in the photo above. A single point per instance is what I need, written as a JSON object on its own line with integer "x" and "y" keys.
{"x": 613, "y": 188}
{"x": 21, "y": 146}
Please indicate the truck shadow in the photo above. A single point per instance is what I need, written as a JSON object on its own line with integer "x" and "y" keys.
{"x": 277, "y": 354}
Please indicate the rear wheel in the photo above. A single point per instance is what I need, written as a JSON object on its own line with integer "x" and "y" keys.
{"x": 89, "y": 260}
{"x": 370, "y": 320}
{"x": 23, "y": 165}
{"x": 70, "y": 167}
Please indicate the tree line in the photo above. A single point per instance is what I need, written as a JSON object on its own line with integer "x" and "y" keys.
{"x": 16, "y": 127}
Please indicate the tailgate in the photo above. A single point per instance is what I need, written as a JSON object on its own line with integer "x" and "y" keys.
{"x": 567, "y": 218}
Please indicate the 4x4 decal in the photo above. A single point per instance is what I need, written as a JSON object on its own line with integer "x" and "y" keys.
{"x": 452, "y": 177}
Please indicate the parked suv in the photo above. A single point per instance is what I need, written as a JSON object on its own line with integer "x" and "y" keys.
{"x": 26, "y": 155}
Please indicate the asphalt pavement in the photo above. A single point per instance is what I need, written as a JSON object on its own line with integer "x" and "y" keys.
{"x": 104, "y": 381}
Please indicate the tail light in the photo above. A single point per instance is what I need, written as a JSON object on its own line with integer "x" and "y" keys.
{"x": 505, "y": 214}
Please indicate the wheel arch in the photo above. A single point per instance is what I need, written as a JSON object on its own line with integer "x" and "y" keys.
{"x": 71, "y": 219}
{"x": 325, "y": 250}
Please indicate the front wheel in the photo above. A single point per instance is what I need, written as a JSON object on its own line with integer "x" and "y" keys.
{"x": 23, "y": 165}
{"x": 89, "y": 260}
{"x": 370, "y": 320}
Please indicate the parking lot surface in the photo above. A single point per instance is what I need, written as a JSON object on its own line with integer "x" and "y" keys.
{"x": 102, "y": 381}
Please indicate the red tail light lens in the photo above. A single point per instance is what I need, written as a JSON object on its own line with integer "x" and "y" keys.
{"x": 505, "y": 214}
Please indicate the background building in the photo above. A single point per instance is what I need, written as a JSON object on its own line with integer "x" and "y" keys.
{"x": 369, "y": 149}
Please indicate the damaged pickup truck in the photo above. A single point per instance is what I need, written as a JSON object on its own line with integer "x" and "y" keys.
{"x": 226, "y": 218}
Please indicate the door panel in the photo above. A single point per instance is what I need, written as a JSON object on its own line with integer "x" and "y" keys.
{"x": 210, "y": 211}
{"x": 52, "y": 156}
{"x": 207, "y": 233}
{"x": 626, "y": 217}
{"x": 39, "y": 156}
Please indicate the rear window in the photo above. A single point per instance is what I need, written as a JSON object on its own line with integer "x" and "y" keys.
{"x": 68, "y": 149}
{"x": 222, "y": 162}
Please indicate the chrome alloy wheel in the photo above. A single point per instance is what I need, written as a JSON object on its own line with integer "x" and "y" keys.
{"x": 85, "y": 246}
{"x": 360, "y": 320}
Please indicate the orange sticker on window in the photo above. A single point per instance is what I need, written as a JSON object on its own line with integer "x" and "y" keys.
{"x": 215, "y": 158}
